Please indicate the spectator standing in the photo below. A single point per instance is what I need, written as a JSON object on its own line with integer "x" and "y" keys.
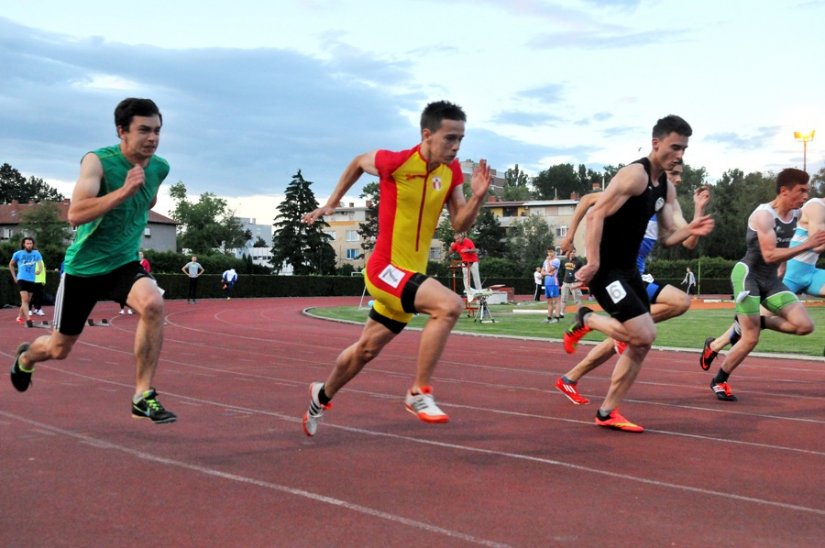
{"x": 570, "y": 286}
{"x": 690, "y": 280}
{"x": 538, "y": 280}
{"x": 193, "y": 269}
{"x": 24, "y": 267}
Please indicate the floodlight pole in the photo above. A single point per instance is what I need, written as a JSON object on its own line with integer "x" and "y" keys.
{"x": 805, "y": 138}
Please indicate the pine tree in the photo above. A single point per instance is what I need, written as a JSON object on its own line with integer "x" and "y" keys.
{"x": 305, "y": 247}
{"x": 368, "y": 230}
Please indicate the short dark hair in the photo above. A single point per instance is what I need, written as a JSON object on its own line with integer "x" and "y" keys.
{"x": 23, "y": 241}
{"x": 790, "y": 177}
{"x": 437, "y": 111}
{"x": 127, "y": 109}
{"x": 671, "y": 124}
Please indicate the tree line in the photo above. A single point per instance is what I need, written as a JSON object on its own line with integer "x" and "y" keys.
{"x": 207, "y": 226}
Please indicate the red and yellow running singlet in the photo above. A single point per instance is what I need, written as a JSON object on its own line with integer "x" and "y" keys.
{"x": 411, "y": 200}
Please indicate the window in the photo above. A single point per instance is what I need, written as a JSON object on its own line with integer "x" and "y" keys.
{"x": 352, "y": 235}
{"x": 352, "y": 253}
{"x": 561, "y": 231}
{"x": 147, "y": 232}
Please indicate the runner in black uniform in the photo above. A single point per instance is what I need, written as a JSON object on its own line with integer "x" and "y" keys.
{"x": 615, "y": 228}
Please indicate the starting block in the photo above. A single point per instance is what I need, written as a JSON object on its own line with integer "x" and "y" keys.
{"x": 102, "y": 323}
{"x": 43, "y": 324}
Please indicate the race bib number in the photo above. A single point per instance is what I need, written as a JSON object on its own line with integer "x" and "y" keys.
{"x": 391, "y": 276}
{"x": 616, "y": 292}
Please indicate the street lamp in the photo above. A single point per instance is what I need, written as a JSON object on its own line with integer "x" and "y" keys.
{"x": 804, "y": 137}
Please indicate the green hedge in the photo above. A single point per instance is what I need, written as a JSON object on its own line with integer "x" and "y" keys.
{"x": 254, "y": 285}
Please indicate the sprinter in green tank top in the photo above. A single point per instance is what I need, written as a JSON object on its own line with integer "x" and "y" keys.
{"x": 110, "y": 205}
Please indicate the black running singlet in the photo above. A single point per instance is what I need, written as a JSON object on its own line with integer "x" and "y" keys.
{"x": 624, "y": 230}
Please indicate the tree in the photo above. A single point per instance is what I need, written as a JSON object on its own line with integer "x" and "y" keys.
{"x": 558, "y": 182}
{"x": 609, "y": 171}
{"x": 207, "y": 225}
{"x": 516, "y": 185}
{"x": 733, "y": 199}
{"x": 587, "y": 178}
{"x": 488, "y": 235}
{"x": 305, "y": 247}
{"x": 528, "y": 243}
{"x": 818, "y": 183}
{"x": 368, "y": 230}
{"x": 13, "y": 186}
{"x": 51, "y": 234}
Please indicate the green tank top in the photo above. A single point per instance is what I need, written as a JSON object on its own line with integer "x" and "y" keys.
{"x": 113, "y": 240}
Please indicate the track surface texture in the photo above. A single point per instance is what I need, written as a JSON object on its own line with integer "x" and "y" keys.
{"x": 517, "y": 465}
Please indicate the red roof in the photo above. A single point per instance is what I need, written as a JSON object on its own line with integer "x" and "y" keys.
{"x": 12, "y": 214}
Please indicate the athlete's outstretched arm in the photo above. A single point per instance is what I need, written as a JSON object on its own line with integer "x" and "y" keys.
{"x": 462, "y": 212}
{"x": 814, "y": 212}
{"x": 675, "y": 230}
{"x": 363, "y": 163}
{"x": 587, "y": 201}
{"x": 763, "y": 223}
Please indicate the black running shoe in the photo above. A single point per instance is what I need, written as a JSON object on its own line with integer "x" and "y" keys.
{"x": 707, "y": 356}
{"x": 20, "y": 379}
{"x": 150, "y": 408}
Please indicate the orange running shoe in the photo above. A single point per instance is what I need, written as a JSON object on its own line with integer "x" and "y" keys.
{"x": 618, "y": 422}
{"x": 708, "y": 355}
{"x": 620, "y": 347}
{"x": 576, "y": 331}
{"x": 722, "y": 391}
{"x": 571, "y": 392}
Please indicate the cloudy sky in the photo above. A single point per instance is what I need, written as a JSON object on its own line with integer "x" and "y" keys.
{"x": 252, "y": 91}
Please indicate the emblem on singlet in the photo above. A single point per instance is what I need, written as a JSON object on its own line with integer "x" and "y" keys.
{"x": 660, "y": 203}
{"x": 436, "y": 183}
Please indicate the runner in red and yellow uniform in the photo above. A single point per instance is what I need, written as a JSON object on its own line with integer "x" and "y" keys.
{"x": 414, "y": 186}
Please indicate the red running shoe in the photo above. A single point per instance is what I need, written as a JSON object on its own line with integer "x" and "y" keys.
{"x": 571, "y": 392}
{"x": 722, "y": 391}
{"x": 618, "y": 422}
{"x": 620, "y": 347}
{"x": 708, "y": 355}
{"x": 576, "y": 331}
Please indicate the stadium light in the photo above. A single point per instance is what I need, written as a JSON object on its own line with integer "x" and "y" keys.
{"x": 804, "y": 137}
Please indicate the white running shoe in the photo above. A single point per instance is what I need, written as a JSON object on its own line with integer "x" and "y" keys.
{"x": 315, "y": 411}
{"x": 40, "y": 312}
{"x": 129, "y": 311}
{"x": 423, "y": 406}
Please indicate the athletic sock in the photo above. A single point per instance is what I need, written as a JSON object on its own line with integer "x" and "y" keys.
{"x": 602, "y": 415}
{"x": 565, "y": 380}
{"x": 721, "y": 376}
{"x": 323, "y": 399}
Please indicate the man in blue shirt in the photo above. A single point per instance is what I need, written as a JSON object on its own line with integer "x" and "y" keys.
{"x": 28, "y": 263}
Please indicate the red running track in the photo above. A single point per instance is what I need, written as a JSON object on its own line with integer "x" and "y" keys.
{"x": 517, "y": 465}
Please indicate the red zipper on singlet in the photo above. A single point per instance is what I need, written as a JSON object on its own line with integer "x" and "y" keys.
{"x": 421, "y": 210}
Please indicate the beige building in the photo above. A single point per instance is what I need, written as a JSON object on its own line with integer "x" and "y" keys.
{"x": 558, "y": 214}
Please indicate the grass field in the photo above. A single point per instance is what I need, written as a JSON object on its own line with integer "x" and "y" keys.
{"x": 688, "y": 331}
